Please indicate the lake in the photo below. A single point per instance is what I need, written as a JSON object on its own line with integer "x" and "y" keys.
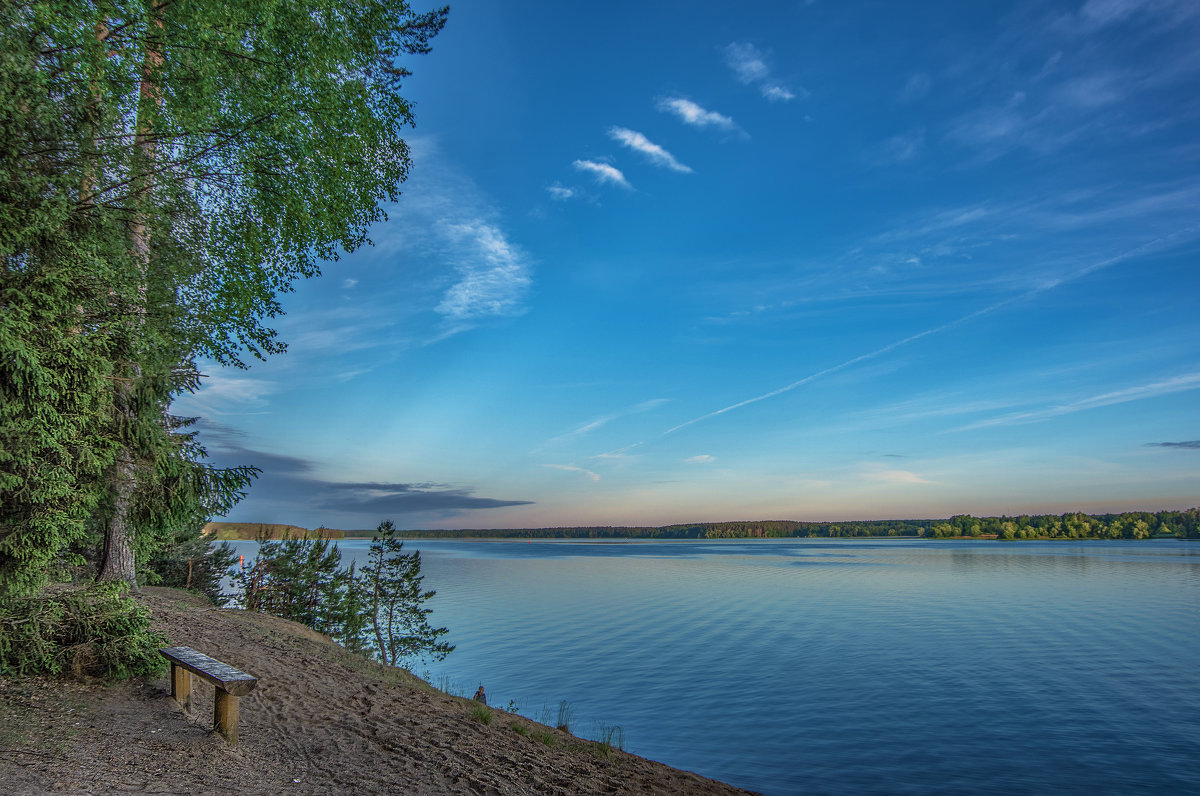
{"x": 838, "y": 666}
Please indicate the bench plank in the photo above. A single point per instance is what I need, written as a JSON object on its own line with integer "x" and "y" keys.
{"x": 222, "y": 675}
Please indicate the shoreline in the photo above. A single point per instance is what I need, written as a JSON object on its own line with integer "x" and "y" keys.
{"x": 322, "y": 720}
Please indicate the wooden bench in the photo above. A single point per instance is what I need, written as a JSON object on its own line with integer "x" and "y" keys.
{"x": 229, "y": 682}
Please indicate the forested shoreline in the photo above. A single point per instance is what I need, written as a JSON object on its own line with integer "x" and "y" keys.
{"x": 1071, "y": 525}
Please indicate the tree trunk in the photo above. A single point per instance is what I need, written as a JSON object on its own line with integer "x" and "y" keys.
{"x": 118, "y": 562}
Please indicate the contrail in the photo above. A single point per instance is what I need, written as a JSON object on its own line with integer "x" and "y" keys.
{"x": 855, "y": 361}
{"x": 1154, "y": 245}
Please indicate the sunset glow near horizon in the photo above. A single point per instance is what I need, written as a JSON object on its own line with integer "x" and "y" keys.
{"x": 662, "y": 263}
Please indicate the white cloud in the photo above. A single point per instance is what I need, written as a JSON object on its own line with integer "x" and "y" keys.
{"x": 225, "y": 393}
{"x": 703, "y": 458}
{"x": 570, "y": 468}
{"x": 494, "y": 272}
{"x": 603, "y": 172}
{"x": 454, "y": 243}
{"x": 749, "y": 65}
{"x": 777, "y": 93}
{"x": 560, "y": 193}
{"x": 646, "y": 406}
{"x": 693, "y": 114}
{"x": 653, "y": 152}
{"x": 618, "y": 455}
{"x": 746, "y": 62}
{"x": 349, "y": 283}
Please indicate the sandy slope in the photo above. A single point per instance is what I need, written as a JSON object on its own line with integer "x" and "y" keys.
{"x": 320, "y": 721}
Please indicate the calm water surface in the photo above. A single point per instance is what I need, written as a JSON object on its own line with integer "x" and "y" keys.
{"x": 806, "y": 666}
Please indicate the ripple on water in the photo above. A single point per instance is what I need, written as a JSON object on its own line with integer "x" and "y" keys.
{"x": 839, "y": 667}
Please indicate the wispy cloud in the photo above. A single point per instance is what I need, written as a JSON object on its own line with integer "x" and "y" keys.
{"x": 570, "y": 468}
{"x": 703, "y": 458}
{"x": 449, "y": 229}
{"x": 1192, "y": 444}
{"x": 749, "y": 66}
{"x": 603, "y": 172}
{"x": 559, "y": 192}
{"x": 618, "y": 455}
{"x": 895, "y": 477}
{"x": 778, "y": 93}
{"x": 695, "y": 115}
{"x": 1187, "y": 381}
{"x": 600, "y": 421}
{"x": 652, "y": 151}
{"x": 746, "y": 62}
{"x": 842, "y": 366}
{"x": 223, "y": 392}
{"x": 916, "y": 87}
{"x": 494, "y": 272}
{"x": 349, "y": 283}
{"x": 899, "y": 148}
{"x": 1158, "y": 244}
{"x": 1096, "y": 14}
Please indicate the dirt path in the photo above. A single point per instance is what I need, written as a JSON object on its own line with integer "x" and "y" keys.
{"x": 320, "y": 721}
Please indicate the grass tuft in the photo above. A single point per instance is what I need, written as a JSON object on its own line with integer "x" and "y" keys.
{"x": 611, "y": 737}
{"x": 545, "y": 736}
{"x": 481, "y": 713}
{"x": 565, "y": 713}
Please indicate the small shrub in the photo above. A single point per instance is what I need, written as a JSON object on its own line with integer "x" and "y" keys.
{"x": 481, "y": 713}
{"x": 519, "y": 729}
{"x": 96, "y": 631}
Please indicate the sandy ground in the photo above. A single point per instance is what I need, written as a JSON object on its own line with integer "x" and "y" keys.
{"x": 320, "y": 721}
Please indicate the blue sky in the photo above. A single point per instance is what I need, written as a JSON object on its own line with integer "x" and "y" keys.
{"x": 671, "y": 262}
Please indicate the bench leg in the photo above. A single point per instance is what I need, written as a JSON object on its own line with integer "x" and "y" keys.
{"x": 181, "y": 686}
{"x": 225, "y": 715}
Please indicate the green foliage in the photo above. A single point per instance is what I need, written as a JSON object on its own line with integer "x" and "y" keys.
{"x": 379, "y": 610}
{"x": 392, "y": 588}
{"x": 55, "y": 398}
{"x": 166, "y": 170}
{"x": 194, "y": 563}
{"x": 302, "y": 580}
{"x": 96, "y": 632}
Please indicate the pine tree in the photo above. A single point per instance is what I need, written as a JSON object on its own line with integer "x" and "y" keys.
{"x": 391, "y": 579}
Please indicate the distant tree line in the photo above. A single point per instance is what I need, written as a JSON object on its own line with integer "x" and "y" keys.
{"x": 1072, "y": 525}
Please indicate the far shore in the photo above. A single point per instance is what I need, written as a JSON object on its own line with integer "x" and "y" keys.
{"x": 1139, "y": 525}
